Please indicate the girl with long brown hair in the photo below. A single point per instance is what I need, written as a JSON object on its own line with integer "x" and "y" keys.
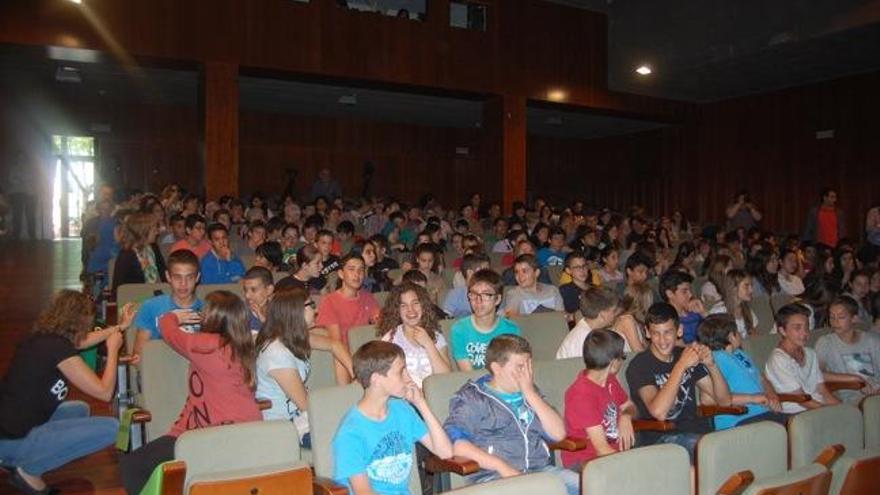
{"x": 408, "y": 321}
{"x": 285, "y": 346}
{"x": 221, "y": 380}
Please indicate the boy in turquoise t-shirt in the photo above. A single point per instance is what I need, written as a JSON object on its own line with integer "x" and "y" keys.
{"x": 373, "y": 447}
{"x": 470, "y": 336}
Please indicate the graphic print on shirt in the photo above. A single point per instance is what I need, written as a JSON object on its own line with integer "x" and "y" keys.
{"x": 197, "y": 416}
{"x": 609, "y": 421}
{"x": 391, "y": 460}
{"x": 860, "y": 363}
{"x": 530, "y": 305}
{"x": 60, "y": 390}
{"x": 682, "y": 397}
{"x": 476, "y": 353}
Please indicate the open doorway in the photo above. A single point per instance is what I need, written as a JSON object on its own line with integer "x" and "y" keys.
{"x": 73, "y": 183}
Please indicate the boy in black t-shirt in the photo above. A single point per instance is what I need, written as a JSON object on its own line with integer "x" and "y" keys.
{"x": 663, "y": 380}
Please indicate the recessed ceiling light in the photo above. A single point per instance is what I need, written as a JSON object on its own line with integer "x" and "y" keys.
{"x": 557, "y": 95}
{"x": 78, "y": 2}
{"x": 643, "y": 70}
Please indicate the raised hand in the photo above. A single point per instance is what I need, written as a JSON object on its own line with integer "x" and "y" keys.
{"x": 126, "y": 316}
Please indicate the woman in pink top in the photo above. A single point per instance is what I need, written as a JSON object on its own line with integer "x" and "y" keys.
{"x": 221, "y": 378}
{"x": 347, "y": 307}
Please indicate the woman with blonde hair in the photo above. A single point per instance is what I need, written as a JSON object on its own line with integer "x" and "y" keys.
{"x": 39, "y": 429}
{"x": 407, "y": 319}
{"x": 630, "y": 323}
{"x": 140, "y": 260}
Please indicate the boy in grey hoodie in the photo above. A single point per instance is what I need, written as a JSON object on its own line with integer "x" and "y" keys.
{"x": 502, "y": 422}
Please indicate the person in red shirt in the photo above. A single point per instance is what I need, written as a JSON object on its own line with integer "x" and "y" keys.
{"x": 596, "y": 406}
{"x": 824, "y": 223}
{"x": 347, "y": 307}
{"x": 222, "y": 359}
{"x": 195, "y": 237}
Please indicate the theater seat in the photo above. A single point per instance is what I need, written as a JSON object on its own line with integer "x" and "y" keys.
{"x": 240, "y": 451}
{"x": 203, "y": 290}
{"x": 761, "y": 448}
{"x": 527, "y": 484}
{"x": 871, "y": 413}
{"x": 808, "y": 480}
{"x": 652, "y": 470}
{"x": 359, "y": 336}
{"x": 812, "y": 431}
{"x": 163, "y": 389}
{"x": 544, "y": 331}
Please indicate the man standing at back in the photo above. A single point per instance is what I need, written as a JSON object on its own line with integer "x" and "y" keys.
{"x": 325, "y": 186}
{"x": 824, "y": 223}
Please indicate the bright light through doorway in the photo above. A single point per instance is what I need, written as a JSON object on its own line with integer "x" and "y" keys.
{"x": 73, "y": 183}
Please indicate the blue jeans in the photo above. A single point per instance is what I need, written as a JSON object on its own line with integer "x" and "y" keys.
{"x": 686, "y": 440}
{"x": 571, "y": 479}
{"x": 69, "y": 434}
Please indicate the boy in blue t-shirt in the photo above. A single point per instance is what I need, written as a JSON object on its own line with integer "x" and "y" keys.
{"x": 183, "y": 275}
{"x": 373, "y": 447}
{"x": 748, "y": 387}
{"x": 554, "y": 254}
{"x": 471, "y": 335}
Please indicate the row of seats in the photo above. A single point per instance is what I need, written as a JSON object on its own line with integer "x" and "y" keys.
{"x": 763, "y": 449}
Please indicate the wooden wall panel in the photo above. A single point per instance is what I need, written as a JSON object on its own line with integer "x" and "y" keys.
{"x": 765, "y": 143}
{"x": 410, "y": 160}
{"x": 564, "y": 45}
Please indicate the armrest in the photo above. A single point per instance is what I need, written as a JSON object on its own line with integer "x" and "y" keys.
{"x": 708, "y": 411}
{"x": 830, "y": 454}
{"x": 264, "y": 404}
{"x": 324, "y": 486}
{"x": 854, "y": 385}
{"x": 652, "y": 425}
{"x": 797, "y": 398}
{"x": 173, "y": 476}
{"x": 569, "y": 444}
{"x": 737, "y": 483}
{"x": 141, "y": 417}
{"x": 455, "y": 464}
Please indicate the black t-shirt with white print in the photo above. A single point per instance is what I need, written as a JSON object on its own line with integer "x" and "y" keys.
{"x": 34, "y": 386}
{"x": 646, "y": 369}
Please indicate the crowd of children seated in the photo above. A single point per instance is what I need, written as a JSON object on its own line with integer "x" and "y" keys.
{"x": 310, "y": 273}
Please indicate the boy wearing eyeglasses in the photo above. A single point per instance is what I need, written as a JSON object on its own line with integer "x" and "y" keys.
{"x": 471, "y": 335}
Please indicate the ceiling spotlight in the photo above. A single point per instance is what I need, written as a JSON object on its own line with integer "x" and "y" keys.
{"x": 643, "y": 70}
{"x": 78, "y": 2}
{"x": 557, "y": 95}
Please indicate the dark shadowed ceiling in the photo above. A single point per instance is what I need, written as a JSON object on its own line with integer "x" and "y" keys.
{"x": 706, "y": 50}
{"x": 700, "y": 50}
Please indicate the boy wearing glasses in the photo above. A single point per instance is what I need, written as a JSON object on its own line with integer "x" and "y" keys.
{"x": 471, "y": 335}
{"x": 457, "y": 302}
{"x": 577, "y": 268}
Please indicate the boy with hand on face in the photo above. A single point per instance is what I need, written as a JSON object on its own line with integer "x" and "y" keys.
{"x": 258, "y": 287}
{"x": 502, "y": 421}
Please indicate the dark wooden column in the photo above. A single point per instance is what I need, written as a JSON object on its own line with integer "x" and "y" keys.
{"x": 219, "y": 107}
{"x": 504, "y": 118}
